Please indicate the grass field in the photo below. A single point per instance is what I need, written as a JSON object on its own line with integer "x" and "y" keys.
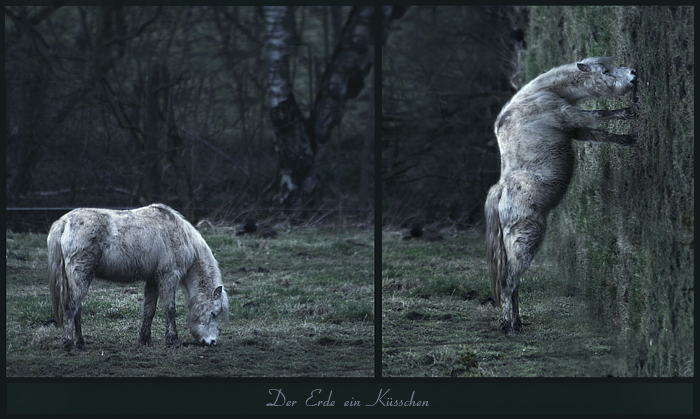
{"x": 435, "y": 325}
{"x": 301, "y": 304}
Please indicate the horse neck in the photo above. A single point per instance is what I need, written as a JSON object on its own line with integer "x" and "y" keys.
{"x": 562, "y": 81}
{"x": 202, "y": 270}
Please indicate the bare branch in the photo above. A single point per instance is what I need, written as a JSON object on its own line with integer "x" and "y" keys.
{"x": 138, "y": 32}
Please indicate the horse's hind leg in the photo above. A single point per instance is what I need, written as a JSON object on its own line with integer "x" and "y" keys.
{"x": 506, "y": 323}
{"x": 72, "y": 324}
{"x": 150, "y": 300}
{"x": 522, "y": 242}
{"x": 509, "y": 304}
{"x": 72, "y": 309}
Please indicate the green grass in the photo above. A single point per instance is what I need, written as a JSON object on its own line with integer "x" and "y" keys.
{"x": 434, "y": 324}
{"x": 301, "y": 304}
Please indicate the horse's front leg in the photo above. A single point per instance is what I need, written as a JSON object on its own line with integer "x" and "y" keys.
{"x": 631, "y": 112}
{"x": 578, "y": 118}
{"x": 150, "y": 300}
{"x": 599, "y": 135}
{"x": 167, "y": 295}
{"x": 68, "y": 327}
{"x": 517, "y": 323}
{"x": 171, "y": 338}
{"x": 79, "y": 342}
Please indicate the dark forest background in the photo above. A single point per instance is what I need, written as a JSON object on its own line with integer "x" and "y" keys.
{"x": 121, "y": 106}
{"x": 447, "y": 72}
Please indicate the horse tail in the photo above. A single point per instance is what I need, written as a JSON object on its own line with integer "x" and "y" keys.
{"x": 58, "y": 280}
{"x": 495, "y": 249}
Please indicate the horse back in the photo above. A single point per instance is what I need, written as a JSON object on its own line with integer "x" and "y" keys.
{"x": 127, "y": 246}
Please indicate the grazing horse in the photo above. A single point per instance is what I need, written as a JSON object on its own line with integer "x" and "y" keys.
{"x": 535, "y": 130}
{"x": 154, "y": 244}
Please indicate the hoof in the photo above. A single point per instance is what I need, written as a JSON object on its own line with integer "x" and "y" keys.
{"x": 488, "y": 300}
{"x": 517, "y": 325}
{"x": 510, "y": 328}
{"x": 145, "y": 339}
{"x": 172, "y": 342}
{"x": 627, "y": 139}
{"x": 70, "y": 347}
{"x": 506, "y": 327}
{"x": 146, "y": 342}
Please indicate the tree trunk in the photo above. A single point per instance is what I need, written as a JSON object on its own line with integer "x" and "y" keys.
{"x": 301, "y": 142}
{"x": 291, "y": 132}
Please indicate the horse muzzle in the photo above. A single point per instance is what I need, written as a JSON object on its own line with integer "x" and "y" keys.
{"x": 207, "y": 342}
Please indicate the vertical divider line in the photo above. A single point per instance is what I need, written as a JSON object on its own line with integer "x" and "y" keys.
{"x": 377, "y": 190}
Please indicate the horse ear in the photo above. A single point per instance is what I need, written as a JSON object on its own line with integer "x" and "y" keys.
{"x": 217, "y": 291}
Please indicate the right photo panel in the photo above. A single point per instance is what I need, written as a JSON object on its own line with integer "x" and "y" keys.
{"x": 538, "y": 192}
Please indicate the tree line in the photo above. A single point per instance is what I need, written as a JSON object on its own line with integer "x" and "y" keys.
{"x": 232, "y": 110}
{"x": 447, "y": 72}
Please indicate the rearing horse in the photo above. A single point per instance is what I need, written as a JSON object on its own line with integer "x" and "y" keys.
{"x": 535, "y": 130}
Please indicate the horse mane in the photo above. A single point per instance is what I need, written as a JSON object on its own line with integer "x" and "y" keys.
{"x": 203, "y": 266}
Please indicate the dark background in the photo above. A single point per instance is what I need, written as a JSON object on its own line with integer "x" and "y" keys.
{"x": 447, "y": 72}
{"x": 120, "y": 106}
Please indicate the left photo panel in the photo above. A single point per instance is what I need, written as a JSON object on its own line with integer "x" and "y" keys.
{"x": 190, "y": 191}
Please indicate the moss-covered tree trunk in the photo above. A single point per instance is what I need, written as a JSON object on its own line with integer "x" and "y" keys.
{"x": 623, "y": 235}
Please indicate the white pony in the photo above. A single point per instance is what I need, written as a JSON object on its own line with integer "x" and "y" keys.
{"x": 154, "y": 244}
{"x": 535, "y": 130}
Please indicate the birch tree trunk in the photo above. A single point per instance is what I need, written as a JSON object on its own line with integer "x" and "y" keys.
{"x": 301, "y": 141}
{"x": 291, "y": 133}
